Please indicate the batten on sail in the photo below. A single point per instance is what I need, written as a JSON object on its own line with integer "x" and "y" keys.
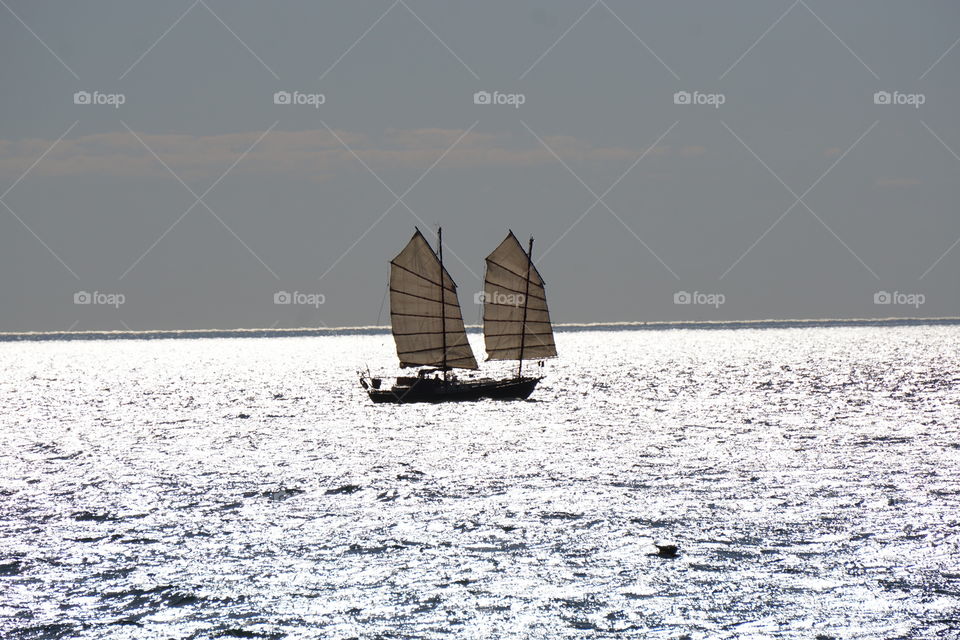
{"x": 426, "y": 324}
{"x": 516, "y": 322}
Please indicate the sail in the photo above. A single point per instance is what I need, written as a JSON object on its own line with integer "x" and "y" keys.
{"x": 417, "y": 310}
{"x": 516, "y": 322}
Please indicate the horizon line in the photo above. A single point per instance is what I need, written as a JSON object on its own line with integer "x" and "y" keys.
{"x": 8, "y": 336}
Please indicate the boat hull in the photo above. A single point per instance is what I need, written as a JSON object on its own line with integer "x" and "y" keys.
{"x": 430, "y": 390}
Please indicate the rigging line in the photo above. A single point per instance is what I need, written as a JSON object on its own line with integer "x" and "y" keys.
{"x": 481, "y": 307}
{"x": 526, "y": 293}
{"x": 382, "y": 300}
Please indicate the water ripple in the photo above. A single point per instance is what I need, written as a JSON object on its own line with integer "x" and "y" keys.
{"x": 247, "y": 489}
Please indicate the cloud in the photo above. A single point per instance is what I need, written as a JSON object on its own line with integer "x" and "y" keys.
{"x": 312, "y": 154}
{"x": 692, "y": 151}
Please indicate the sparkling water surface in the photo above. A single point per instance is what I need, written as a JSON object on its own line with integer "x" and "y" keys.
{"x": 213, "y": 488}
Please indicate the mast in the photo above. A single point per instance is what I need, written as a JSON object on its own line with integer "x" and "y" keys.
{"x": 526, "y": 295}
{"x": 443, "y": 302}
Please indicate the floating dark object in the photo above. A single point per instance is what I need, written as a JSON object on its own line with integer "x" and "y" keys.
{"x": 344, "y": 490}
{"x": 666, "y": 550}
{"x": 281, "y": 494}
{"x": 243, "y": 416}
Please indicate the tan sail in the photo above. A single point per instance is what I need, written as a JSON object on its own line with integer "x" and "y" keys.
{"x": 516, "y": 322}
{"x": 426, "y": 325}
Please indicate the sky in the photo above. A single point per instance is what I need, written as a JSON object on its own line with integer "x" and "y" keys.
{"x": 185, "y": 164}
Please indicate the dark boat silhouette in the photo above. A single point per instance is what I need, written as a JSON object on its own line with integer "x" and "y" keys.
{"x": 428, "y": 328}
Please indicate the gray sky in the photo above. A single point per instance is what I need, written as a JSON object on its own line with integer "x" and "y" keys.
{"x": 797, "y": 197}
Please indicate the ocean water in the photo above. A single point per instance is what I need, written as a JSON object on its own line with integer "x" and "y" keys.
{"x": 206, "y": 488}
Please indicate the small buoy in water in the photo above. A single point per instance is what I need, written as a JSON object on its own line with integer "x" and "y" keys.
{"x": 666, "y": 550}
